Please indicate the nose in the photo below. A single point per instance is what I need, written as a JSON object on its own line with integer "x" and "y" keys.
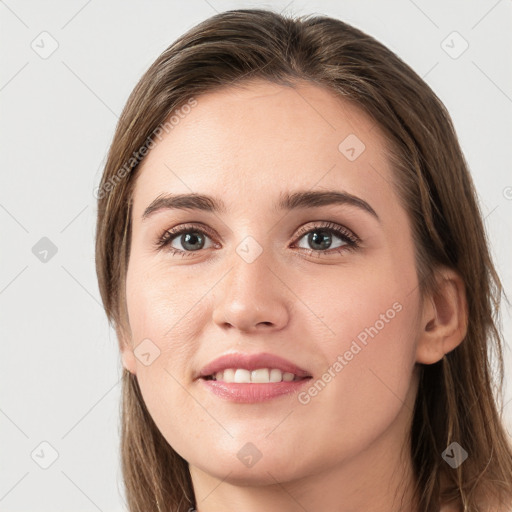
{"x": 253, "y": 296}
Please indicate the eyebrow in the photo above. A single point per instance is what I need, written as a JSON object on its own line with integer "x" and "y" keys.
{"x": 287, "y": 201}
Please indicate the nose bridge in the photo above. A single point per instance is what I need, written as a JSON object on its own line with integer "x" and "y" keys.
{"x": 250, "y": 271}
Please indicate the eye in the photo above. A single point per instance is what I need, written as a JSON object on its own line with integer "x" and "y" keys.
{"x": 190, "y": 238}
{"x": 320, "y": 238}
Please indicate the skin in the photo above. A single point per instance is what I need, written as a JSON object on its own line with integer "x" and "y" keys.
{"x": 346, "y": 449}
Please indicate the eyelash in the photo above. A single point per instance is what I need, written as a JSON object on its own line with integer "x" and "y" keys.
{"x": 351, "y": 240}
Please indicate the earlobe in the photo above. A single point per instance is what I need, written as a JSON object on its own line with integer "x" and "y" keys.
{"x": 127, "y": 355}
{"x": 444, "y": 318}
{"x": 128, "y": 360}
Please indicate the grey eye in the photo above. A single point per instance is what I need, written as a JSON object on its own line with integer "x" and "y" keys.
{"x": 190, "y": 241}
{"x": 321, "y": 239}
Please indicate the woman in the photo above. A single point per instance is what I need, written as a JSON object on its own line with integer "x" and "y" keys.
{"x": 291, "y": 252}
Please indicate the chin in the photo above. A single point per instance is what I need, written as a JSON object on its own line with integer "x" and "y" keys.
{"x": 251, "y": 477}
{"x": 265, "y": 471}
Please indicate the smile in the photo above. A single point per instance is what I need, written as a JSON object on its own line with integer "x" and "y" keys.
{"x": 259, "y": 376}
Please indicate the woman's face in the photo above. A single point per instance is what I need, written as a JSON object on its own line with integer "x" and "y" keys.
{"x": 328, "y": 284}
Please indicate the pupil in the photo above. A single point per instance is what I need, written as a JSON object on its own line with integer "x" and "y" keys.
{"x": 191, "y": 239}
{"x": 324, "y": 241}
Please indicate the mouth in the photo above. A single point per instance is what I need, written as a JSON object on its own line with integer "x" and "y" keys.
{"x": 258, "y": 376}
{"x": 264, "y": 368}
{"x": 242, "y": 389}
{"x": 250, "y": 378}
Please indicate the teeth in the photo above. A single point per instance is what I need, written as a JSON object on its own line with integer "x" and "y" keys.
{"x": 276, "y": 375}
{"x": 242, "y": 376}
{"x": 229, "y": 375}
{"x": 261, "y": 376}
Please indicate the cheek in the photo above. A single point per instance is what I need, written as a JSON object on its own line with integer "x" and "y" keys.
{"x": 163, "y": 336}
{"x": 161, "y": 307}
{"x": 160, "y": 321}
{"x": 369, "y": 339}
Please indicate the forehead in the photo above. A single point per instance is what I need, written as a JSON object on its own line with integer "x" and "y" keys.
{"x": 245, "y": 142}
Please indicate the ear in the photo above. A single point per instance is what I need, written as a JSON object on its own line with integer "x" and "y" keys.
{"x": 444, "y": 318}
{"x": 125, "y": 347}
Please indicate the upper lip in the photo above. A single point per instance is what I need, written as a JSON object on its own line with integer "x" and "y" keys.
{"x": 251, "y": 362}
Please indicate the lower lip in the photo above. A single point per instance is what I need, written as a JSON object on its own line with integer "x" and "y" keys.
{"x": 250, "y": 393}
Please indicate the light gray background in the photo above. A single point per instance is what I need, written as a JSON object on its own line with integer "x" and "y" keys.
{"x": 59, "y": 363}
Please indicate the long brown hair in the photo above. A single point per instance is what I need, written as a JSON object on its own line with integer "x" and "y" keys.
{"x": 457, "y": 397}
